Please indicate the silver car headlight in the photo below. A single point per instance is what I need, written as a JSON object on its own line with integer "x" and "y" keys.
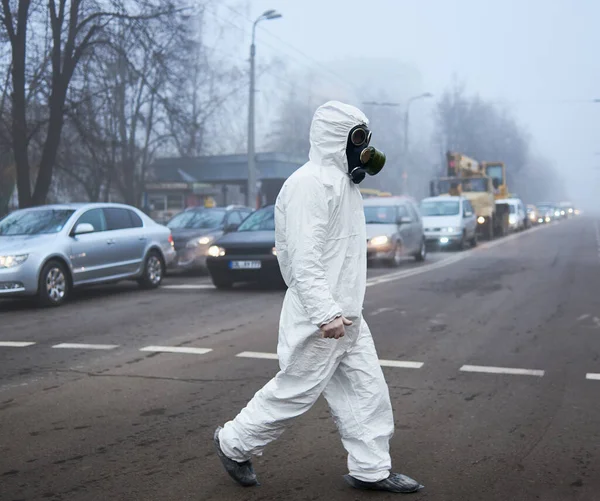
{"x": 381, "y": 240}
{"x": 197, "y": 242}
{"x": 12, "y": 261}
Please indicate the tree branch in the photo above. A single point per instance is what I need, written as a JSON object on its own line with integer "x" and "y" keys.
{"x": 7, "y": 20}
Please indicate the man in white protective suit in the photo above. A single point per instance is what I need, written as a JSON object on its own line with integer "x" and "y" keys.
{"x": 325, "y": 346}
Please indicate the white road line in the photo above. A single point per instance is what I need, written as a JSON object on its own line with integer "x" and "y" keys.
{"x": 501, "y": 370}
{"x": 79, "y": 346}
{"x": 390, "y": 277}
{"x": 448, "y": 261}
{"x": 583, "y": 317}
{"x": 15, "y": 344}
{"x": 258, "y": 354}
{"x": 188, "y": 287}
{"x": 593, "y": 376}
{"x": 176, "y": 349}
{"x": 400, "y": 363}
{"x": 383, "y": 363}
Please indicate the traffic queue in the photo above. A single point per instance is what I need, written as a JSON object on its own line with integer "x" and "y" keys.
{"x": 48, "y": 252}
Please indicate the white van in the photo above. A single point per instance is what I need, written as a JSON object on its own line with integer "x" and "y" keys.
{"x": 517, "y": 213}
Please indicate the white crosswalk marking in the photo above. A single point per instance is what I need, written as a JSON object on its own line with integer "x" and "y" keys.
{"x": 176, "y": 349}
{"x": 383, "y": 363}
{"x": 79, "y": 346}
{"x": 501, "y": 370}
{"x": 258, "y": 354}
{"x": 188, "y": 287}
{"x": 401, "y": 364}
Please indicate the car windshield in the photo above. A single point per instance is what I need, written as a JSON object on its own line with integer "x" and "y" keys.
{"x": 198, "y": 219}
{"x": 261, "y": 220}
{"x": 385, "y": 214}
{"x": 475, "y": 184}
{"x": 440, "y": 208}
{"x": 35, "y": 222}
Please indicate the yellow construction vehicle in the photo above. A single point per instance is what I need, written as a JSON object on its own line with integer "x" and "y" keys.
{"x": 497, "y": 172}
{"x": 482, "y": 183}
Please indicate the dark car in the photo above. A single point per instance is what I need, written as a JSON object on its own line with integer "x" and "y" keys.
{"x": 248, "y": 254}
{"x": 194, "y": 231}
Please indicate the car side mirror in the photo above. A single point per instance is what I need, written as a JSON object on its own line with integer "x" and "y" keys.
{"x": 83, "y": 228}
{"x": 231, "y": 227}
{"x": 468, "y": 213}
{"x": 404, "y": 220}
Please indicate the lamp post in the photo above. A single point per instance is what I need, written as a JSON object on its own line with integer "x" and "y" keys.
{"x": 406, "y": 117}
{"x": 251, "y": 188}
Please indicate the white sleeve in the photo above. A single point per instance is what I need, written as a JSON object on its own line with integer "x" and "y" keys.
{"x": 306, "y": 226}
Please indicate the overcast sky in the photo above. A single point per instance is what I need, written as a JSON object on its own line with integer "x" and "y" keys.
{"x": 540, "y": 57}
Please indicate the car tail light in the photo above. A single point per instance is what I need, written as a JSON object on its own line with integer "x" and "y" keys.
{"x": 171, "y": 240}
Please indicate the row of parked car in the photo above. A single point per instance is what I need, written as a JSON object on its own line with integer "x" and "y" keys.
{"x": 48, "y": 251}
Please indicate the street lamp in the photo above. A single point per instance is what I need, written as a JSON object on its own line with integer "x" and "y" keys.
{"x": 410, "y": 101}
{"x": 426, "y": 95}
{"x": 406, "y": 116}
{"x": 251, "y": 188}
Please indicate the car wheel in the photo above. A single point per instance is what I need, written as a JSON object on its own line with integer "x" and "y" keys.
{"x": 397, "y": 257}
{"x": 154, "y": 271}
{"x": 490, "y": 228}
{"x": 422, "y": 254}
{"x": 474, "y": 240}
{"x": 462, "y": 245}
{"x": 54, "y": 286}
{"x": 222, "y": 283}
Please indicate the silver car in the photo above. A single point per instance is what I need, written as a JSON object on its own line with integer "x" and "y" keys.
{"x": 47, "y": 251}
{"x": 394, "y": 230}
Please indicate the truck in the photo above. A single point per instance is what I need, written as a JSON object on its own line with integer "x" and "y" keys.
{"x": 482, "y": 183}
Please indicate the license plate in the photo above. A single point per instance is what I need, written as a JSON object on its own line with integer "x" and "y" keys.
{"x": 245, "y": 265}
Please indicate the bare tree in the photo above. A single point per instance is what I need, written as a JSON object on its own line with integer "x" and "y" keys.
{"x": 69, "y": 32}
{"x": 477, "y": 128}
{"x": 482, "y": 130}
{"x": 290, "y": 131}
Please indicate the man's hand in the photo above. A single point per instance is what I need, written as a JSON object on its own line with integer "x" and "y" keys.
{"x": 335, "y": 328}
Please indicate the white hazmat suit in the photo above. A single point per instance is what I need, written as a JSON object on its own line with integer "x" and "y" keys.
{"x": 321, "y": 247}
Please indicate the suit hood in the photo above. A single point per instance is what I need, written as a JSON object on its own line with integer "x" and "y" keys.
{"x": 329, "y": 131}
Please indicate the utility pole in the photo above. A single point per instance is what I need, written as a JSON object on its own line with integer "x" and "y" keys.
{"x": 406, "y": 142}
{"x": 251, "y": 194}
{"x": 406, "y": 129}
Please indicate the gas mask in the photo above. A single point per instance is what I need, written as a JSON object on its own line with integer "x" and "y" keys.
{"x": 362, "y": 158}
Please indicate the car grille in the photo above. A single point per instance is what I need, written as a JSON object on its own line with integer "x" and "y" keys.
{"x": 245, "y": 251}
{"x": 433, "y": 229}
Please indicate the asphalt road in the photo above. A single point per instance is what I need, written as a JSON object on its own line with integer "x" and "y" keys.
{"x": 490, "y": 356}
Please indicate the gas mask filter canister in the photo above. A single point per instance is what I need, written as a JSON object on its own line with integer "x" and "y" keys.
{"x": 362, "y": 158}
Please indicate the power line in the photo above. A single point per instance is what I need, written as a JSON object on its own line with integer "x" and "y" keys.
{"x": 278, "y": 76}
{"x": 314, "y": 62}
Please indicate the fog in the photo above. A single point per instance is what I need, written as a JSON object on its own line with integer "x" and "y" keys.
{"x": 498, "y": 81}
{"x": 536, "y": 58}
